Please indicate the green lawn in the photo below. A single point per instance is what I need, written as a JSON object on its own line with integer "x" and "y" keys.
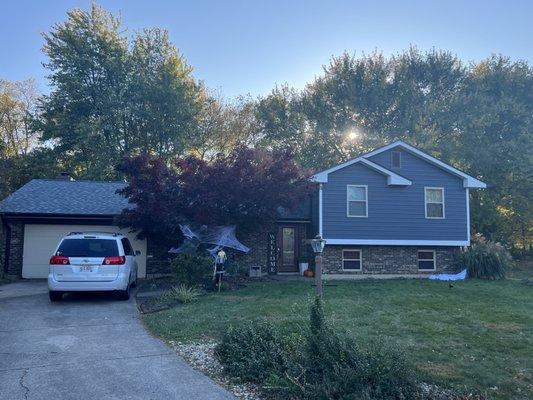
{"x": 478, "y": 333}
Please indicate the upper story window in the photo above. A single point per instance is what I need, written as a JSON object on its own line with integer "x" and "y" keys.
{"x": 434, "y": 201}
{"x": 357, "y": 200}
{"x": 396, "y": 159}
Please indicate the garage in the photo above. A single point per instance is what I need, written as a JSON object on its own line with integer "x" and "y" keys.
{"x": 41, "y": 240}
{"x": 34, "y": 218}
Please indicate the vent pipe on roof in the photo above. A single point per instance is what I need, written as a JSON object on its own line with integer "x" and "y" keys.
{"x": 65, "y": 176}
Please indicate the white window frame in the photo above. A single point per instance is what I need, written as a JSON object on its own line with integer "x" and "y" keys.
{"x": 434, "y": 259}
{"x": 348, "y": 201}
{"x": 432, "y": 202}
{"x": 360, "y": 259}
{"x": 392, "y": 159}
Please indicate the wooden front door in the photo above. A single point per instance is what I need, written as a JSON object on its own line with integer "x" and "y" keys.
{"x": 288, "y": 248}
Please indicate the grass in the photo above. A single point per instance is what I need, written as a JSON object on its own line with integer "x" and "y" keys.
{"x": 476, "y": 335}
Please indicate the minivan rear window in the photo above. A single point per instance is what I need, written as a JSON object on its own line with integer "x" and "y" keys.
{"x": 88, "y": 248}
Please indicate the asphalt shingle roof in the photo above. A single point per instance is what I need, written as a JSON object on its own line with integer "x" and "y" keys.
{"x": 55, "y": 196}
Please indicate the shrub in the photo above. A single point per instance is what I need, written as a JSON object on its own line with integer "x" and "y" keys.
{"x": 484, "y": 260}
{"x": 190, "y": 269}
{"x": 236, "y": 269}
{"x": 181, "y": 293}
{"x": 324, "y": 365}
{"x": 255, "y": 352}
{"x": 337, "y": 368}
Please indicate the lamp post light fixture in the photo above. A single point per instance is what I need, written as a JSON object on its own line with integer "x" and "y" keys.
{"x": 318, "y": 247}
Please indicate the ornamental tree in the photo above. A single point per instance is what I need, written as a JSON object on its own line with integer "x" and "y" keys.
{"x": 244, "y": 188}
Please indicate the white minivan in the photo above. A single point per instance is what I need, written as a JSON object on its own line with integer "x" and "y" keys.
{"x": 92, "y": 261}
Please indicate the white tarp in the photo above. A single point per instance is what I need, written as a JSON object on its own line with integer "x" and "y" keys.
{"x": 449, "y": 277}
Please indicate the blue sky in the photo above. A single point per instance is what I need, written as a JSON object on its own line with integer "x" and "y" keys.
{"x": 240, "y": 47}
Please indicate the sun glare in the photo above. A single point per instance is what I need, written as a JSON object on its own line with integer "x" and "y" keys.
{"x": 352, "y": 135}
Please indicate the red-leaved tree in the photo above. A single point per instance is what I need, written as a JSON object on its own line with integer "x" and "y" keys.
{"x": 245, "y": 189}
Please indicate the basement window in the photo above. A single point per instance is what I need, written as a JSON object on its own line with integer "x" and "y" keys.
{"x": 351, "y": 260}
{"x": 426, "y": 260}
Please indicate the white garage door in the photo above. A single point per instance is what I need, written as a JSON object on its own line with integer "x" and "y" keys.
{"x": 40, "y": 241}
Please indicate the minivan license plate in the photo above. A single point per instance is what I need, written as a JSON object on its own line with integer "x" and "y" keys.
{"x": 86, "y": 268}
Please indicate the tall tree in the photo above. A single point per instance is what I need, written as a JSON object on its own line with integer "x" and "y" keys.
{"x": 110, "y": 98}
{"x": 21, "y": 154}
{"x": 476, "y": 117}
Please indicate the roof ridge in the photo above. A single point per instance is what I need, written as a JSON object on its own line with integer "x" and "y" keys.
{"x": 74, "y": 181}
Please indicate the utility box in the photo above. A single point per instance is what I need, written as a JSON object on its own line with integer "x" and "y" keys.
{"x": 255, "y": 271}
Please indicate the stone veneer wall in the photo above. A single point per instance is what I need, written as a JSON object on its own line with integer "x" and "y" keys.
{"x": 387, "y": 259}
{"x": 258, "y": 254}
{"x": 2, "y": 248}
{"x": 16, "y": 247}
{"x": 157, "y": 259}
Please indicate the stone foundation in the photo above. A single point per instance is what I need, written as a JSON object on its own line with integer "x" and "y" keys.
{"x": 387, "y": 259}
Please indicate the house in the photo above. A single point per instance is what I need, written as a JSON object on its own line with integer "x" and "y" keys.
{"x": 395, "y": 210}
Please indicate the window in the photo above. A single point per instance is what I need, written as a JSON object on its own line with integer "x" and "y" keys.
{"x": 128, "y": 251}
{"x": 396, "y": 159}
{"x": 426, "y": 260}
{"x": 351, "y": 260}
{"x": 434, "y": 200}
{"x": 357, "y": 200}
{"x": 87, "y": 248}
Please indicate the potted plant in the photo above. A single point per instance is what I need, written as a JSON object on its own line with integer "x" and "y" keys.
{"x": 304, "y": 264}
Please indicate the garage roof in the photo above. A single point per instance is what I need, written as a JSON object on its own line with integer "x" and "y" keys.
{"x": 64, "y": 197}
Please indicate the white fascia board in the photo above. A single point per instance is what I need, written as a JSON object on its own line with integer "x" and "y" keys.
{"x": 392, "y": 178}
{"x": 378, "y": 242}
{"x": 468, "y": 181}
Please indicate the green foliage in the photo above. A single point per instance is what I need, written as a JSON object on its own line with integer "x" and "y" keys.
{"x": 484, "y": 260}
{"x": 255, "y": 352}
{"x": 475, "y": 117}
{"x": 111, "y": 97}
{"x": 324, "y": 365}
{"x": 191, "y": 269}
{"x": 181, "y": 293}
{"x": 236, "y": 269}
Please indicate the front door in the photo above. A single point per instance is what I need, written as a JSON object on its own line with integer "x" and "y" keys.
{"x": 287, "y": 248}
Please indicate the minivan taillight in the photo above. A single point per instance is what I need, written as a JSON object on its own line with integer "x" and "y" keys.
{"x": 115, "y": 260}
{"x": 59, "y": 260}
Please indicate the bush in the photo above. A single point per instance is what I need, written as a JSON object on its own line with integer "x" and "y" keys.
{"x": 181, "y": 293}
{"x": 236, "y": 269}
{"x": 191, "y": 269}
{"x": 484, "y": 260}
{"x": 324, "y": 365}
{"x": 255, "y": 352}
{"x": 337, "y": 368}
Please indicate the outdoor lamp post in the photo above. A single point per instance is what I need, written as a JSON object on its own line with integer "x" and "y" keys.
{"x": 318, "y": 247}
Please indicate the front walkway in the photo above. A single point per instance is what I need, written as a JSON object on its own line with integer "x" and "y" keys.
{"x": 87, "y": 347}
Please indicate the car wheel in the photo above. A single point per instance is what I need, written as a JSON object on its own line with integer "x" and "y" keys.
{"x": 55, "y": 296}
{"x": 124, "y": 294}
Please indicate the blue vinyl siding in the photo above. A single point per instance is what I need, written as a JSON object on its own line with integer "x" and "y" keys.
{"x": 395, "y": 213}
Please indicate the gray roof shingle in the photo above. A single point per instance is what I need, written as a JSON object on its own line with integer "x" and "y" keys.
{"x": 55, "y": 196}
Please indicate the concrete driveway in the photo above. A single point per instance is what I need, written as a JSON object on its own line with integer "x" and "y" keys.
{"x": 87, "y": 347}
